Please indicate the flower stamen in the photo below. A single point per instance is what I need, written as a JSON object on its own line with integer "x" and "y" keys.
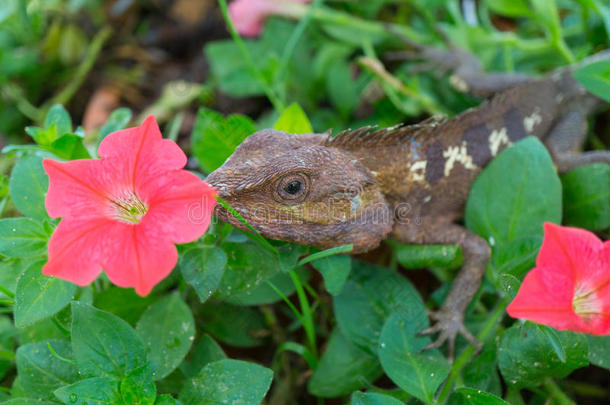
{"x": 586, "y": 304}
{"x": 129, "y": 208}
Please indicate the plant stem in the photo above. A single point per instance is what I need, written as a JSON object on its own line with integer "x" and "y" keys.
{"x": 307, "y": 317}
{"x": 273, "y": 98}
{"x": 338, "y": 18}
{"x": 16, "y": 94}
{"x": 291, "y": 44}
{"x": 83, "y": 69}
{"x": 556, "y": 393}
{"x": 493, "y": 319}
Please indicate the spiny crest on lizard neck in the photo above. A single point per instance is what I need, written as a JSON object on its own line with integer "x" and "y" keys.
{"x": 296, "y": 188}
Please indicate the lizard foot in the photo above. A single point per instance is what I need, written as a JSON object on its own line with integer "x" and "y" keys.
{"x": 449, "y": 324}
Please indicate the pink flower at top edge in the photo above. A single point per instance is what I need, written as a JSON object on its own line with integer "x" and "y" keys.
{"x": 248, "y": 16}
{"x": 569, "y": 289}
{"x": 124, "y": 212}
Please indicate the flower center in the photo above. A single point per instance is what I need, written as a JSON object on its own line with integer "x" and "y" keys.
{"x": 586, "y": 304}
{"x": 129, "y": 208}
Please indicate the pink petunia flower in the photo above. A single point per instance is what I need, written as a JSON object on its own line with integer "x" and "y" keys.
{"x": 248, "y": 16}
{"x": 569, "y": 289}
{"x": 124, "y": 212}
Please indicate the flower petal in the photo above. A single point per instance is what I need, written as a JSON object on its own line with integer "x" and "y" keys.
{"x": 248, "y": 15}
{"x": 577, "y": 250}
{"x": 75, "y": 188}
{"x": 180, "y": 206}
{"x": 545, "y": 297}
{"x": 142, "y": 256}
{"x": 76, "y": 249}
{"x": 141, "y": 153}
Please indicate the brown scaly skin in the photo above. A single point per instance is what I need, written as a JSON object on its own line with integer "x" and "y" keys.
{"x": 409, "y": 183}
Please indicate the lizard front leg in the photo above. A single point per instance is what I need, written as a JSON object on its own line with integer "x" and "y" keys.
{"x": 449, "y": 319}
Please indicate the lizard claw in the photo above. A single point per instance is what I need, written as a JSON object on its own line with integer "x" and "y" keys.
{"x": 449, "y": 324}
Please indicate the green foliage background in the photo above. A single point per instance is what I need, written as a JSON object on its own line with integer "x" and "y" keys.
{"x": 242, "y": 320}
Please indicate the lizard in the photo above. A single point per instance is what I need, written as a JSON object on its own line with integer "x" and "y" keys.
{"x": 365, "y": 185}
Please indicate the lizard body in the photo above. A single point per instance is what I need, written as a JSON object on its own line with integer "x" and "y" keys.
{"x": 409, "y": 183}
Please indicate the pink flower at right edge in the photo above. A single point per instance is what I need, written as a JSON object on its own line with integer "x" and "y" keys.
{"x": 248, "y": 16}
{"x": 569, "y": 289}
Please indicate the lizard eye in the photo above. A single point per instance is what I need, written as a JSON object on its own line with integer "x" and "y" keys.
{"x": 292, "y": 188}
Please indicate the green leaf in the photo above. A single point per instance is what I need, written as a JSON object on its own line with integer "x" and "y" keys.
{"x": 418, "y": 257}
{"x": 166, "y": 399}
{"x": 248, "y": 266}
{"x": 343, "y": 368}
{"x": 341, "y": 87}
{"x": 138, "y": 387}
{"x": 43, "y": 137}
{"x": 7, "y": 333}
{"x": 59, "y": 117}
{"x": 205, "y": 351}
{"x": 293, "y": 120}
{"x": 372, "y": 398}
{"x": 103, "y": 344}
{"x": 595, "y": 77}
{"x": 526, "y": 173}
{"x": 22, "y": 237}
{"x": 418, "y": 372}
{"x": 288, "y": 255}
{"x": 69, "y": 147}
{"x": 369, "y": 296}
{"x": 325, "y": 253}
{"x": 526, "y": 357}
{"x": 92, "y": 391}
{"x": 117, "y": 120}
{"x": 586, "y": 196}
{"x": 28, "y": 186}
{"x": 547, "y": 14}
{"x": 334, "y": 270}
{"x": 516, "y": 257}
{"x": 38, "y": 296}
{"x": 471, "y": 396}
{"x": 123, "y": 302}
{"x": 231, "y": 324}
{"x": 264, "y": 294}
{"x": 554, "y": 340}
{"x": 228, "y": 382}
{"x": 231, "y": 71}
{"x": 214, "y": 138}
{"x": 510, "y": 285}
{"x": 481, "y": 372}
{"x": 203, "y": 268}
{"x": 167, "y": 330}
{"x": 509, "y": 8}
{"x": 599, "y": 351}
{"x": 40, "y": 372}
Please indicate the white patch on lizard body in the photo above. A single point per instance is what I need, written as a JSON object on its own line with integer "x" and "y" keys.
{"x": 457, "y": 154}
{"x": 458, "y": 83}
{"x": 532, "y": 120}
{"x": 559, "y": 98}
{"x": 427, "y": 198}
{"x": 419, "y": 170}
{"x": 356, "y": 202}
{"x": 496, "y": 139}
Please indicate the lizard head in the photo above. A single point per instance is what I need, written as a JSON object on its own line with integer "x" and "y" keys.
{"x": 295, "y": 188}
